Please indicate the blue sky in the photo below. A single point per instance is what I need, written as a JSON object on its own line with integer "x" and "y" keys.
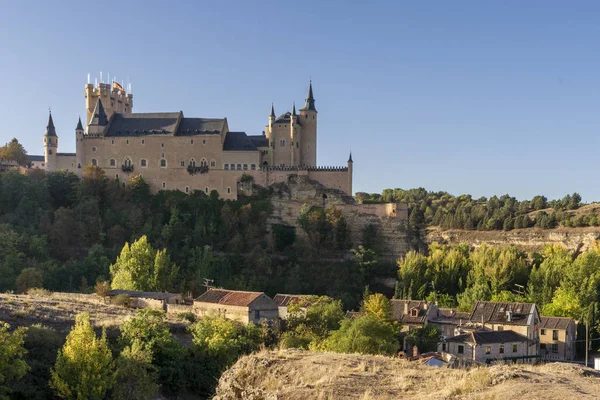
{"x": 466, "y": 96}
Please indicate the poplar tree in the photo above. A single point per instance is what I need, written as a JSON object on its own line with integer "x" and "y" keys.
{"x": 12, "y": 365}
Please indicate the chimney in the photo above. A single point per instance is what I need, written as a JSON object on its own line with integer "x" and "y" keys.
{"x": 415, "y": 352}
{"x": 406, "y": 307}
{"x": 425, "y": 305}
{"x": 509, "y": 316}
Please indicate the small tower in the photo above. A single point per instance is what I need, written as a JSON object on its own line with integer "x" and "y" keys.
{"x": 350, "y": 165}
{"x": 98, "y": 121}
{"x": 270, "y": 135}
{"x": 294, "y": 159}
{"x": 50, "y": 145}
{"x": 308, "y": 121}
{"x": 79, "y": 156}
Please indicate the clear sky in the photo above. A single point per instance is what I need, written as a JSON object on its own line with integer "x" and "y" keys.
{"x": 480, "y": 97}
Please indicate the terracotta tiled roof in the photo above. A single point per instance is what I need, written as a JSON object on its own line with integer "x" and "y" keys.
{"x": 229, "y": 297}
{"x": 501, "y": 313}
{"x": 399, "y": 314}
{"x": 555, "y": 322}
{"x": 284, "y": 300}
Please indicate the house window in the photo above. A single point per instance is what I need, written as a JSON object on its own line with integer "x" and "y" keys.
{"x": 554, "y": 334}
{"x": 239, "y": 167}
{"x": 203, "y": 141}
{"x": 226, "y": 166}
{"x": 164, "y": 185}
{"x": 112, "y": 141}
{"x": 228, "y": 190}
{"x": 127, "y": 141}
{"x": 253, "y": 167}
{"x": 542, "y": 346}
{"x": 501, "y": 351}
{"x": 543, "y": 332}
{"x": 143, "y": 163}
{"x": 488, "y": 349}
{"x": 256, "y": 314}
{"x": 443, "y": 346}
{"x": 94, "y": 162}
{"x": 245, "y": 167}
{"x": 187, "y": 189}
{"x": 162, "y": 145}
{"x": 94, "y": 149}
{"x": 213, "y": 163}
{"x": 554, "y": 348}
{"x": 413, "y": 313}
{"x": 163, "y": 163}
{"x": 461, "y": 349}
{"x": 515, "y": 348}
{"x": 113, "y": 162}
{"x": 282, "y": 143}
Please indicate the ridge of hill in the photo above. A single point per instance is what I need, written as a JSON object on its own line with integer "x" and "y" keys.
{"x": 299, "y": 375}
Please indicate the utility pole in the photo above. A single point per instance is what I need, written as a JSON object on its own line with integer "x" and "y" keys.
{"x": 208, "y": 283}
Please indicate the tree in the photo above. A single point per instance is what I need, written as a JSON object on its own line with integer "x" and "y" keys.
{"x": 12, "y": 365}
{"x": 14, "y": 151}
{"x": 364, "y": 335}
{"x": 30, "y": 278}
{"x": 136, "y": 377}
{"x": 378, "y": 306}
{"x": 84, "y": 367}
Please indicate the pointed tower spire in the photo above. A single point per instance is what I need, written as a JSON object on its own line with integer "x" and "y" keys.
{"x": 272, "y": 111}
{"x": 310, "y": 100}
{"x": 79, "y": 125}
{"x": 294, "y": 110}
{"x": 350, "y": 158}
{"x": 99, "y": 116}
{"x": 50, "y": 129}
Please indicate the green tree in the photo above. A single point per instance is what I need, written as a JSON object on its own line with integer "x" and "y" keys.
{"x": 14, "y": 151}
{"x": 84, "y": 367}
{"x": 378, "y": 306}
{"x": 30, "y": 278}
{"x": 12, "y": 352}
{"x": 364, "y": 335}
{"x": 136, "y": 376}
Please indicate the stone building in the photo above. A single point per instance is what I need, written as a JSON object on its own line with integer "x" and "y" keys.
{"x": 173, "y": 151}
{"x": 487, "y": 346}
{"x": 557, "y": 338}
{"x": 237, "y": 305}
{"x": 155, "y": 300}
{"x": 413, "y": 314}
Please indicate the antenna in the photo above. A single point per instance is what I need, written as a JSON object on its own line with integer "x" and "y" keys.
{"x": 208, "y": 283}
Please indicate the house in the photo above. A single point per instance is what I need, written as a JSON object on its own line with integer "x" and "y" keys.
{"x": 448, "y": 319}
{"x": 241, "y": 306}
{"x": 155, "y": 300}
{"x": 522, "y": 318}
{"x": 485, "y": 346}
{"x": 557, "y": 338}
{"x": 412, "y": 314}
{"x": 284, "y": 300}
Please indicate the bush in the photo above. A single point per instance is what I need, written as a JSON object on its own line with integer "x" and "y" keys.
{"x": 187, "y": 316}
{"x": 121, "y": 300}
{"x": 102, "y": 288}
{"x": 364, "y": 335}
{"x": 29, "y": 278}
{"x": 38, "y": 292}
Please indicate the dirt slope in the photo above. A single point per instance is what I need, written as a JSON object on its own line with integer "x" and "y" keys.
{"x": 300, "y": 375}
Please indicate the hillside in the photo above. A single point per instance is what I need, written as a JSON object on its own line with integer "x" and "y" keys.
{"x": 296, "y": 375}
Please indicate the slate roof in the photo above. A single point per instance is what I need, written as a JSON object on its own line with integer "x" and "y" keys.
{"x": 201, "y": 126}
{"x": 238, "y": 141}
{"x": 50, "y": 129}
{"x": 284, "y": 118}
{"x": 555, "y": 322}
{"x": 229, "y": 297}
{"x": 259, "y": 140}
{"x": 137, "y": 124}
{"x": 498, "y": 313}
{"x": 36, "y": 158}
{"x": 310, "y": 99}
{"x": 284, "y": 300}
{"x": 99, "y": 115}
{"x": 488, "y": 337}
{"x": 66, "y": 154}
{"x": 450, "y": 316}
{"x": 399, "y": 315}
{"x": 79, "y": 125}
{"x": 143, "y": 295}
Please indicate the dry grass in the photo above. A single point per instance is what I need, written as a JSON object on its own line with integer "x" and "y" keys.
{"x": 296, "y": 375}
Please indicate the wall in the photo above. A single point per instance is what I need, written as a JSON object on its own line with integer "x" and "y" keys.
{"x": 178, "y": 308}
{"x": 66, "y": 163}
{"x": 236, "y": 313}
{"x": 566, "y": 344}
{"x": 480, "y": 355}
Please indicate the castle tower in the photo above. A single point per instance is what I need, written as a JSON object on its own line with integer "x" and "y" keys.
{"x": 50, "y": 145}
{"x": 79, "y": 148}
{"x": 294, "y": 159}
{"x": 98, "y": 121}
{"x": 113, "y": 99}
{"x": 308, "y": 120}
{"x": 350, "y": 165}
{"x": 270, "y": 135}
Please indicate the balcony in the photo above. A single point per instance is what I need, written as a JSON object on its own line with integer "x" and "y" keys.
{"x": 192, "y": 170}
{"x": 127, "y": 168}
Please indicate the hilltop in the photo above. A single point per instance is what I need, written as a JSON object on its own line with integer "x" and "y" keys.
{"x": 296, "y": 375}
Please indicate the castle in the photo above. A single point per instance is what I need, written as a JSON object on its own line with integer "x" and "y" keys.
{"x": 171, "y": 151}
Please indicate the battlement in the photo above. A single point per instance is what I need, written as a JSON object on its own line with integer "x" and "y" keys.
{"x": 305, "y": 168}
{"x": 113, "y": 99}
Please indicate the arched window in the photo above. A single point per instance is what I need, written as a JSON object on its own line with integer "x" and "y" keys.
{"x": 50, "y": 151}
{"x": 163, "y": 163}
{"x": 143, "y": 163}
{"x": 203, "y": 163}
{"x": 127, "y": 161}
{"x": 245, "y": 167}
{"x": 206, "y": 190}
{"x": 282, "y": 143}
{"x": 265, "y": 164}
{"x": 94, "y": 162}
{"x": 187, "y": 189}
{"x": 113, "y": 162}
{"x": 164, "y": 185}
{"x": 226, "y": 167}
{"x": 182, "y": 163}
{"x": 213, "y": 163}
{"x": 228, "y": 190}
{"x": 253, "y": 167}
{"x": 192, "y": 163}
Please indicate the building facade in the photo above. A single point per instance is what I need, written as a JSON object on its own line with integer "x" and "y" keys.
{"x": 557, "y": 338}
{"x": 172, "y": 151}
{"x": 488, "y": 346}
{"x": 245, "y": 307}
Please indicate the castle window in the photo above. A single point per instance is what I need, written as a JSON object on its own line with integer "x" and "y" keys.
{"x": 163, "y": 163}
{"x": 282, "y": 143}
{"x": 182, "y": 163}
{"x": 94, "y": 162}
{"x": 206, "y": 190}
{"x": 143, "y": 141}
{"x": 253, "y": 167}
{"x": 112, "y": 141}
{"x": 94, "y": 149}
{"x": 297, "y": 145}
{"x": 245, "y": 167}
{"x": 187, "y": 189}
{"x": 117, "y": 176}
{"x": 164, "y": 185}
{"x": 313, "y": 117}
{"x": 204, "y": 163}
{"x": 163, "y": 155}
{"x": 226, "y": 167}
{"x": 203, "y": 141}
{"x": 192, "y": 141}
{"x": 127, "y": 162}
{"x": 239, "y": 167}
{"x": 162, "y": 145}
{"x": 50, "y": 151}
{"x": 113, "y": 162}
{"x": 127, "y": 141}
{"x": 192, "y": 163}
{"x": 143, "y": 163}
{"x": 213, "y": 163}
{"x": 228, "y": 190}
{"x": 78, "y": 165}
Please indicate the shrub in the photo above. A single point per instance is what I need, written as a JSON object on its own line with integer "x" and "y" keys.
{"x": 365, "y": 335}
{"x": 121, "y": 300}
{"x": 38, "y": 292}
{"x": 29, "y": 278}
{"x": 187, "y": 316}
{"x": 102, "y": 288}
